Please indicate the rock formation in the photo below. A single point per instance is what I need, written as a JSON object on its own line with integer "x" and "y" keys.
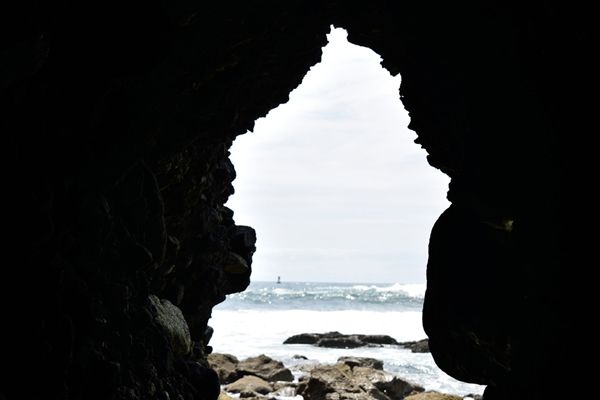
{"x": 356, "y": 378}
{"x": 340, "y": 340}
{"x": 225, "y": 365}
{"x": 117, "y": 120}
{"x": 266, "y": 368}
{"x": 344, "y": 381}
{"x": 249, "y": 384}
{"x": 230, "y": 369}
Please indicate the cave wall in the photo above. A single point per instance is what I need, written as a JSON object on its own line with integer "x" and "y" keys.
{"x": 118, "y": 118}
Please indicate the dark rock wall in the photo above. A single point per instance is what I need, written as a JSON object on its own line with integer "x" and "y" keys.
{"x": 117, "y": 120}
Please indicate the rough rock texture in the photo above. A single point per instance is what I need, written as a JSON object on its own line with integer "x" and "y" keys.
{"x": 229, "y": 368}
{"x": 339, "y": 340}
{"x": 225, "y": 365}
{"x": 171, "y": 320}
{"x": 117, "y": 120}
{"x": 341, "y": 381}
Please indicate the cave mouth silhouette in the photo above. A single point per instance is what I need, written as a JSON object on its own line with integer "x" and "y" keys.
{"x": 119, "y": 126}
{"x": 339, "y": 194}
{"x": 332, "y": 180}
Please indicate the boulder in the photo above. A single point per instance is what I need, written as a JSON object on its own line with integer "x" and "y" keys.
{"x": 325, "y": 380}
{"x": 361, "y": 362}
{"x": 265, "y": 368}
{"x": 225, "y": 365}
{"x": 432, "y": 396}
{"x": 249, "y": 384}
{"x": 171, "y": 321}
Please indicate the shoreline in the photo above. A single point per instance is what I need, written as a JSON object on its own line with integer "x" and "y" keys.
{"x": 360, "y": 378}
{"x": 372, "y": 321}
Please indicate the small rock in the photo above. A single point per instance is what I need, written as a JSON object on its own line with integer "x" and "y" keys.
{"x": 299, "y": 357}
{"x": 249, "y": 384}
{"x": 265, "y": 368}
{"x": 225, "y": 365}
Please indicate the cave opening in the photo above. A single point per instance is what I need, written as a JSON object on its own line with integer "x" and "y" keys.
{"x": 332, "y": 180}
{"x": 119, "y": 122}
{"x": 343, "y": 203}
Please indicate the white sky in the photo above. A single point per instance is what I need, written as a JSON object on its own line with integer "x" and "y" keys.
{"x": 332, "y": 181}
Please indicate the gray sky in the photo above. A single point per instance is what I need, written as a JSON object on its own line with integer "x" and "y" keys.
{"x": 332, "y": 181}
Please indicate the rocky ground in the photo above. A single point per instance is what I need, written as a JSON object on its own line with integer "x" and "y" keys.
{"x": 351, "y": 378}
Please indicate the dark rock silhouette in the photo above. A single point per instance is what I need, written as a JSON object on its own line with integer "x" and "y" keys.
{"x": 339, "y": 340}
{"x": 117, "y": 119}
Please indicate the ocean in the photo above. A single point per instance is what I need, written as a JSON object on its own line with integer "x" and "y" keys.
{"x": 258, "y": 320}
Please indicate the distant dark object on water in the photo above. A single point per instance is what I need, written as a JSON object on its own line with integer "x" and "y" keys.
{"x": 278, "y": 279}
{"x": 339, "y": 340}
